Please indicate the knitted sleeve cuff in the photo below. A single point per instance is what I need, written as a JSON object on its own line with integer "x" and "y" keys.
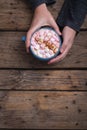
{"x": 73, "y": 14}
{"x": 35, "y": 3}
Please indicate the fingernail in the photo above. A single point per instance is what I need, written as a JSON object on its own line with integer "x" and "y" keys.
{"x": 61, "y": 50}
{"x": 60, "y": 33}
{"x": 27, "y": 50}
{"x": 49, "y": 63}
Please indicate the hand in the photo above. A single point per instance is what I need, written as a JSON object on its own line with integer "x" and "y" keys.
{"x": 41, "y": 17}
{"x": 68, "y": 39}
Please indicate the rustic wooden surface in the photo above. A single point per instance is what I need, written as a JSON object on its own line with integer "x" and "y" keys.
{"x": 12, "y": 48}
{"x": 43, "y": 110}
{"x": 15, "y": 14}
{"x": 43, "y": 80}
{"x": 34, "y": 95}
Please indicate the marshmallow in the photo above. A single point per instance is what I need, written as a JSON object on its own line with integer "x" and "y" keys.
{"x": 45, "y": 43}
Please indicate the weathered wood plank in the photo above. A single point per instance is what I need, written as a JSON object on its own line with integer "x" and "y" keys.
{"x": 16, "y": 15}
{"x": 57, "y": 110}
{"x": 13, "y": 53}
{"x": 43, "y": 80}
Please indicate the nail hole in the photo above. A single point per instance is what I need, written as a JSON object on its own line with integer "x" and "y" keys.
{"x": 74, "y": 86}
{"x": 12, "y": 21}
{"x": 86, "y": 83}
{"x": 77, "y": 62}
{"x": 69, "y": 77}
{"x": 46, "y": 96}
{"x": 79, "y": 110}
{"x": 10, "y": 13}
{"x": 47, "y": 74}
{"x": 29, "y": 99}
{"x": 74, "y": 102}
{"x": 11, "y": 3}
{"x": 66, "y": 107}
{"x": 0, "y": 107}
{"x": 75, "y": 94}
{"x": 77, "y": 123}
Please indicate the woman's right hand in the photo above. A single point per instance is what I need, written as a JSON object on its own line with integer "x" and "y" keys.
{"x": 41, "y": 17}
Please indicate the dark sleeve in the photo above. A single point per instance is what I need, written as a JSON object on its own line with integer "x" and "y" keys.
{"x": 73, "y": 14}
{"x": 35, "y": 3}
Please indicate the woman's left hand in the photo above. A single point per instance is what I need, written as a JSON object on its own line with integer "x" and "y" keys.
{"x": 68, "y": 35}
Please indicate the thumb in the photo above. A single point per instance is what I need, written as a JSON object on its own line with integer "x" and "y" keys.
{"x": 57, "y": 30}
{"x": 27, "y": 42}
{"x": 29, "y": 33}
{"x": 55, "y": 26}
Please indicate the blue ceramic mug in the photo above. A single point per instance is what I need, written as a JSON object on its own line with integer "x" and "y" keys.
{"x": 41, "y": 58}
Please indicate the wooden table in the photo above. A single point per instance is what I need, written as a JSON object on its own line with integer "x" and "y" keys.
{"x": 34, "y": 95}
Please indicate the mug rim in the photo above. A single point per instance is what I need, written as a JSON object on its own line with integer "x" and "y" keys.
{"x": 60, "y": 42}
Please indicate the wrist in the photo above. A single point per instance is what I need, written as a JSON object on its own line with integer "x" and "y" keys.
{"x": 41, "y": 8}
{"x": 70, "y": 32}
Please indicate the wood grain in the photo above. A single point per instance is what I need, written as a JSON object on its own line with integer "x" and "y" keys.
{"x": 34, "y": 95}
{"x": 17, "y": 15}
{"x": 57, "y": 110}
{"x": 13, "y": 53}
{"x": 43, "y": 80}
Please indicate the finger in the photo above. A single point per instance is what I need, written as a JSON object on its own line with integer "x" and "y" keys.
{"x": 60, "y": 57}
{"x": 30, "y": 32}
{"x": 57, "y": 59}
{"x": 57, "y": 30}
{"x": 27, "y": 42}
{"x": 63, "y": 47}
{"x": 55, "y": 26}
